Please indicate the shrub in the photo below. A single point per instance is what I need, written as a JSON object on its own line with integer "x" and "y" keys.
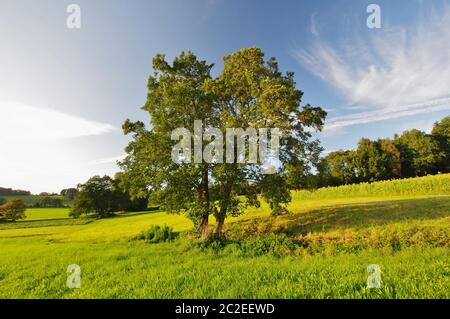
{"x": 12, "y": 210}
{"x": 157, "y": 234}
{"x": 214, "y": 244}
{"x": 276, "y": 245}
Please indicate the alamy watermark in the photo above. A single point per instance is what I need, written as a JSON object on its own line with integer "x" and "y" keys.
{"x": 374, "y": 19}
{"x": 261, "y": 149}
{"x": 73, "y": 20}
{"x": 374, "y": 279}
{"x": 74, "y": 276}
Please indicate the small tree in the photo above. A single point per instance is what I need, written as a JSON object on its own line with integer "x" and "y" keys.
{"x": 103, "y": 196}
{"x": 95, "y": 196}
{"x": 12, "y": 210}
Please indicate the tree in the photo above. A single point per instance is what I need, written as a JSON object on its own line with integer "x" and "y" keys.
{"x": 441, "y": 133}
{"x": 95, "y": 196}
{"x": 103, "y": 196}
{"x": 420, "y": 153}
{"x": 249, "y": 93}
{"x": 12, "y": 210}
{"x": 376, "y": 160}
{"x": 176, "y": 98}
{"x": 49, "y": 202}
{"x": 69, "y": 193}
{"x": 12, "y": 192}
{"x": 337, "y": 168}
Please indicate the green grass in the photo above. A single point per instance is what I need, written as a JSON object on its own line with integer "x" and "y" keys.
{"x": 427, "y": 185}
{"x": 406, "y": 233}
{"x": 46, "y": 213}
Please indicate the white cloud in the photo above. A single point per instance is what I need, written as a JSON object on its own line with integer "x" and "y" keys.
{"x": 41, "y": 149}
{"x": 20, "y": 122}
{"x": 395, "y": 72}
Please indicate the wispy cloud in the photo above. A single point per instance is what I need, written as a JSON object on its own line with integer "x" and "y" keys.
{"x": 395, "y": 72}
{"x": 40, "y": 151}
{"x": 107, "y": 160}
{"x": 28, "y": 123}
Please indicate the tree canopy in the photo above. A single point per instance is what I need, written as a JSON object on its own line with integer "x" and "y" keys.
{"x": 12, "y": 210}
{"x": 103, "y": 196}
{"x": 250, "y": 92}
{"x": 413, "y": 153}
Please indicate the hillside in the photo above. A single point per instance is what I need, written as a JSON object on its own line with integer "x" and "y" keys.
{"x": 325, "y": 242}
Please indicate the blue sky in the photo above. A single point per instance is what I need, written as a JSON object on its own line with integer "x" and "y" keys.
{"x": 64, "y": 93}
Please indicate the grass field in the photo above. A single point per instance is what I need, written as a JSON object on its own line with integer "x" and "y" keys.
{"x": 405, "y": 230}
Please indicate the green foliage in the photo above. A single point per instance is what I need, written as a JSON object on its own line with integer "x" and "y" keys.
{"x": 157, "y": 234}
{"x": 103, "y": 196}
{"x": 441, "y": 133}
{"x": 12, "y": 210}
{"x": 49, "y": 202}
{"x": 70, "y": 193}
{"x": 337, "y": 168}
{"x": 244, "y": 95}
{"x": 414, "y": 153}
{"x": 376, "y": 160}
{"x": 13, "y": 192}
{"x": 420, "y": 153}
{"x": 31, "y": 200}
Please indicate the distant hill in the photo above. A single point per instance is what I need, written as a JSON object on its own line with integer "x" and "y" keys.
{"x": 13, "y": 192}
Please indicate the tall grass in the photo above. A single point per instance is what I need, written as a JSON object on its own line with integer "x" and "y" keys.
{"x": 427, "y": 185}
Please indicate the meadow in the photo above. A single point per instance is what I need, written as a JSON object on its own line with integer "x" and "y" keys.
{"x": 321, "y": 249}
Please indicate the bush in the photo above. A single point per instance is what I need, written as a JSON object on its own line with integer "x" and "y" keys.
{"x": 214, "y": 244}
{"x": 12, "y": 210}
{"x": 157, "y": 234}
{"x": 274, "y": 245}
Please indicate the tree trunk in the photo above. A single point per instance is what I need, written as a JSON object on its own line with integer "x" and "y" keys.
{"x": 204, "y": 227}
{"x": 218, "y": 229}
{"x": 204, "y": 196}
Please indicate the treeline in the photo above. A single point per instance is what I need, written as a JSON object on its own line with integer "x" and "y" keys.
{"x": 49, "y": 202}
{"x": 413, "y": 153}
{"x": 13, "y": 192}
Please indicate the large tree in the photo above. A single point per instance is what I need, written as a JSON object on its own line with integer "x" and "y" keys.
{"x": 250, "y": 93}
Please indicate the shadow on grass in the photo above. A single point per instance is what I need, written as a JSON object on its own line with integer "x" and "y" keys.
{"x": 45, "y": 223}
{"x": 356, "y": 216}
{"x": 134, "y": 214}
